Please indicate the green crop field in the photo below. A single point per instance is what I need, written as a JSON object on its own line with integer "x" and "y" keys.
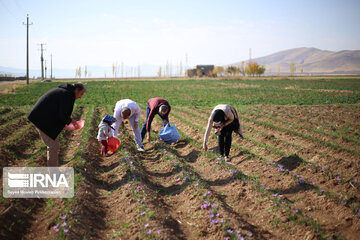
{"x": 294, "y": 176}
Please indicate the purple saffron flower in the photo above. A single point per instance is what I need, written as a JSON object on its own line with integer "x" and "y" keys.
{"x": 71, "y": 212}
{"x": 142, "y": 213}
{"x": 230, "y": 231}
{"x": 165, "y": 151}
{"x": 274, "y": 195}
{"x": 64, "y": 224}
{"x": 211, "y": 216}
{"x": 218, "y": 214}
{"x": 338, "y": 178}
{"x": 354, "y": 180}
{"x": 63, "y": 217}
{"x": 323, "y": 168}
{"x": 56, "y": 229}
{"x": 301, "y": 180}
{"x": 214, "y": 221}
{"x": 263, "y": 185}
{"x": 66, "y": 230}
{"x": 295, "y": 211}
{"x": 146, "y": 225}
{"x": 196, "y": 184}
{"x": 205, "y": 195}
{"x": 218, "y": 159}
{"x": 310, "y": 181}
{"x": 148, "y": 232}
{"x": 250, "y": 234}
{"x": 158, "y": 232}
{"x": 321, "y": 190}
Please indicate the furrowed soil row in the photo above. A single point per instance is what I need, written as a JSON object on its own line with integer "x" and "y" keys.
{"x": 309, "y": 174}
{"x": 221, "y": 184}
{"x": 305, "y": 132}
{"x": 13, "y": 113}
{"x": 311, "y": 199}
{"x": 330, "y": 115}
{"x": 274, "y": 140}
{"x": 333, "y": 130}
{"x": 328, "y": 163}
{"x": 10, "y": 128}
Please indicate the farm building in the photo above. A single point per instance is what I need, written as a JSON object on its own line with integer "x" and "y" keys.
{"x": 202, "y": 71}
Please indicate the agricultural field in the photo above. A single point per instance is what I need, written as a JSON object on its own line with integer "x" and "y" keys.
{"x": 296, "y": 175}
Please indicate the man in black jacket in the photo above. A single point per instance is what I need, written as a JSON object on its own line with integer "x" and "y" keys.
{"x": 51, "y": 113}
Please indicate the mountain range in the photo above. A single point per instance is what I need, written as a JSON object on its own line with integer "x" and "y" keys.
{"x": 312, "y": 60}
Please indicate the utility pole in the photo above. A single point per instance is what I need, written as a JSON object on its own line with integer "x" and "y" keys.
{"x": 42, "y": 61}
{"x": 45, "y": 70}
{"x": 51, "y": 76}
{"x": 27, "y": 48}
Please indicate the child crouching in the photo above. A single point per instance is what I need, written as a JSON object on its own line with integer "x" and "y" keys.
{"x": 105, "y": 131}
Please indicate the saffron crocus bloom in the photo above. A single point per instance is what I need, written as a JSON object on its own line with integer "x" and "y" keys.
{"x": 250, "y": 234}
{"x": 338, "y": 178}
{"x": 158, "y": 232}
{"x": 196, "y": 184}
{"x": 56, "y": 229}
{"x": 148, "y": 232}
{"x": 64, "y": 224}
{"x": 301, "y": 180}
{"x": 66, "y": 230}
{"x": 230, "y": 231}
{"x": 142, "y": 213}
{"x": 63, "y": 217}
{"x": 146, "y": 225}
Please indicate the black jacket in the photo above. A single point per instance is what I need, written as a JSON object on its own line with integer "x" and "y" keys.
{"x": 53, "y": 110}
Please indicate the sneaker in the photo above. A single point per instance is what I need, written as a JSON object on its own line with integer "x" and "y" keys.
{"x": 141, "y": 149}
{"x": 227, "y": 159}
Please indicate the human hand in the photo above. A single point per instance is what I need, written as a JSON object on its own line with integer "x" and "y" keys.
{"x": 74, "y": 123}
{"x": 136, "y": 125}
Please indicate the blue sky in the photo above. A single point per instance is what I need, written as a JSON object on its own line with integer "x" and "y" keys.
{"x": 100, "y": 33}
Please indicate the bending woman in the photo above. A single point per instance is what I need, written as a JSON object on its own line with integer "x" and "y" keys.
{"x": 225, "y": 119}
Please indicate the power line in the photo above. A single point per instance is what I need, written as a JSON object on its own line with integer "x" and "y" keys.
{"x": 17, "y": 18}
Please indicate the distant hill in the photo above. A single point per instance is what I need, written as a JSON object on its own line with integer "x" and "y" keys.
{"x": 312, "y": 60}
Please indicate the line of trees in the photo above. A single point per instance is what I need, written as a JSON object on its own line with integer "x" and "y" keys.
{"x": 251, "y": 68}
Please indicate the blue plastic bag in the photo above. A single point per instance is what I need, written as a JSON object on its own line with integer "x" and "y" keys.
{"x": 169, "y": 133}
